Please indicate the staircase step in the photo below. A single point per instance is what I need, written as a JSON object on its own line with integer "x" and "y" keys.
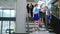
{"x": 29, "y": 27}
{"x": 29, "y": 31}
{"x": 30, "y": 23}
{"x": 43, "y": 29}
{"x": 51, "y": 30}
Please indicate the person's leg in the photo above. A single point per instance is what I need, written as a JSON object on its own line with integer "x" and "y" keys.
{"x": 35, "y": 25}
{"x": 40, "y": 23}
{"x": 46, "y": 22}
{"x": 35, "y": 28}
{"x": 37, "y": 22}
{"x": 31, "y": 13}
{"x": 42, "y": 20}
{"x": 42, "y": 17}
{"x": 34, "y": 22}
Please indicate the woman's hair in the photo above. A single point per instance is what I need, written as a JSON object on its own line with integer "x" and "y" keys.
{"x": 36, "y": 5}
{"x": 46, "y": 7}
{"x": 40, "y": 6}
{"x": 27, "y": 4}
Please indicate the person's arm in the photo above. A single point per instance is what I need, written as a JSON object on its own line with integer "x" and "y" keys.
{"x": 33, "y": 11}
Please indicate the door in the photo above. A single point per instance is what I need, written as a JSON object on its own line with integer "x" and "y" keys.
{"x": 5, "y": 26}
{"x": 0, "y": 27}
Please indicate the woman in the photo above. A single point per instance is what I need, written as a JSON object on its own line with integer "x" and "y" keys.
{"x": 41, "y": 16}
{"x": 27, "y": 8}
{"x": 31, "y": 9}
{"x": 36, "y": 17}
{"x": 47, "y": 17}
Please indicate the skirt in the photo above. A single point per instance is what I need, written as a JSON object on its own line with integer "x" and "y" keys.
{"x": 41, "y": 15}
{"x": 36, "y": 17}
{"x": 49, "y": 17}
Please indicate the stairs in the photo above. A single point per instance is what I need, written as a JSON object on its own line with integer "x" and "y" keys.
{"x": 29, "y": 27}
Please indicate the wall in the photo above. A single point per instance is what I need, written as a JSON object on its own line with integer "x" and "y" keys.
{"x": 7, "y": 3}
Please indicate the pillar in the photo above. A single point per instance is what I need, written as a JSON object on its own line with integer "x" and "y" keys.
{"x": 20, "y": 26}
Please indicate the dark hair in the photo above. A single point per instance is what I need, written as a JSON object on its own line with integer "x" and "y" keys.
{"x": 36, "y": 5}
{"x": 30, "y": 3}
{"x": 46, "y": 7}
{"x": 27, "y": 4}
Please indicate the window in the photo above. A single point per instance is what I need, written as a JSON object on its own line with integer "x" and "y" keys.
{"x": 0, "y": 27}
{"x": 12, "y": 25}
{"x": 6, "y": 13}
{"x": 5, "y": 26}
{"x": 55, "y": 10}
{"x": 0, "y": 13}
{"x": 12, "y": 13}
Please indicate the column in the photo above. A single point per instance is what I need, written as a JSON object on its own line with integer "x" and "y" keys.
{"x": 20, "y": 16}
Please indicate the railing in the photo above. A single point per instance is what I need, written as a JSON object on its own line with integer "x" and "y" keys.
{"x": 55, "y": 24}
{"x": 27, "y": 24}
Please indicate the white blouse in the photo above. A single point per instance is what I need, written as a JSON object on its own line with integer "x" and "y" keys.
{"x": 46, "y": 12}
{"x": 34, "y": 10}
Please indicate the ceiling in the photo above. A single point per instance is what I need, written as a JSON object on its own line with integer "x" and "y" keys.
{"x": 7, "y": 3}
